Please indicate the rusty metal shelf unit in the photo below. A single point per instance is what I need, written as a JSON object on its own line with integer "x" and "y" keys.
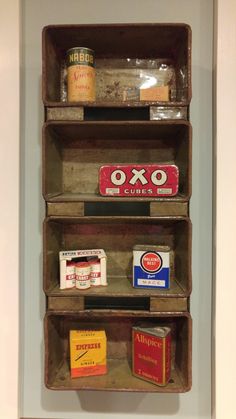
{"x": 80, "y": 137}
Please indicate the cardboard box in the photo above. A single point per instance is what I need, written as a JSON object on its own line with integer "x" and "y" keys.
{"x": 88, "y": 350}
{"x": 77, "y": 255}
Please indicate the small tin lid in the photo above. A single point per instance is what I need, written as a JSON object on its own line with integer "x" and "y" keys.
{"x": 160, "y": 331}
{"x": 80, "y": 56}
{"x": 79, "y": 48}
{"x": 82, "y": 264}
{"x": 154, "y": 248}
{"x": 94, "y": 262}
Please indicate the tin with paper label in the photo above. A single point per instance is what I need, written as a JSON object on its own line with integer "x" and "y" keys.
{"x": 80, "y": 74}
{"x": 152, "y": 354}
{"x": 151, "y": 266}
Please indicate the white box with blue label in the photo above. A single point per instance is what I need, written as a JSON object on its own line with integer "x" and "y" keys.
{"x": 151, "y": 266}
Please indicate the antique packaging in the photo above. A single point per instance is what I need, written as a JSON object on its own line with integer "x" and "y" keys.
{"x": 152, "y": 354}
{"x": 82, "y": 275}
{"x": 142, "y": 180}
{"x": 78, "y": 256}
{"x": 151, "y": 266}
{"x": 88, "y": 353}
{"x": 80, "y": 74}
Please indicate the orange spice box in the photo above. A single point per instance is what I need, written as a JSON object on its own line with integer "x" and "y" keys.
{"x": 88, "y": 353}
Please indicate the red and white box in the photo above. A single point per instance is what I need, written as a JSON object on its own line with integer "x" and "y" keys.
{"x": 70, "y": 274}
{"x": 82, "y": 275}
{"x": 95, "y": 272}
{"x": 152, "y": 354}
{"x": 143, "y": 180}
{"x": 73, "y": 257}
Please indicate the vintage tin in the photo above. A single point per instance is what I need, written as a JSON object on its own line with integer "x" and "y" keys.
{"x": 143, "y": 180}
{"x": 151, "y": 266}
{"x": 70, "y": 274}
{"x": 80, "y": 74}
{"x": 95, "y": 272}
{"x": 88, "y": 350}
{"x": 82, "y": 275}
{"x": 151, "y": 359}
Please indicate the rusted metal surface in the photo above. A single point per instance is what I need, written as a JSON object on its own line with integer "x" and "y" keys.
{"x": 65, "y": 114}
{"x": 73, "y": 154}
{"x": 75, "y": 303}
{"x": 168, "y": 304}
{"x": 168, "y": 208}
{"x": 161, "y": 113}
{"x": 117, "y": 326}
{"x": 66, "y": 303}
{"x": 123, "y": 130}
{"x": 141, "y": 41}
{"x": 78, "y": 209}
{"x": 117, "y": 236}
{"x": 66, "y": 209}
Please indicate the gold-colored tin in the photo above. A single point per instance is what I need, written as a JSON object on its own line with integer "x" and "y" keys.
{"x": 80, "y": 75}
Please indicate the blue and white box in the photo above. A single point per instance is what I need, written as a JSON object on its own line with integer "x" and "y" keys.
{"x": 151, "y": 266}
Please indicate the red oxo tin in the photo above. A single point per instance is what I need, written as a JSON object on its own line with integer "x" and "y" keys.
{"x": 152, "y": 354}
{"x": 139, "y": 180}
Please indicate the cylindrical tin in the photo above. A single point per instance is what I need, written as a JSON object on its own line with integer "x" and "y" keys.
{"x": 95, "y": 274}
{"x": 80, "y": 74}
{"x": 70, "y": 274}
{"x": 82, "y": 275}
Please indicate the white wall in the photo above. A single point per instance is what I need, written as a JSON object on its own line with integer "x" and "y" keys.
{"x": 36, "y": 400}
{"x": 9, "y": 207}
{"x": 224, "y": 329}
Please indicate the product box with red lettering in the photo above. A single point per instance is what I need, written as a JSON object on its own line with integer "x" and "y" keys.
{"x": 151, "y": 359}
{"x": 88, "y": 349}
{"x": 69, "y": 259}
{"x": 143, "y": 180}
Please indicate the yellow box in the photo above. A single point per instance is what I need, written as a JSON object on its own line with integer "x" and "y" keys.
{"x": 88, "y": 350}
